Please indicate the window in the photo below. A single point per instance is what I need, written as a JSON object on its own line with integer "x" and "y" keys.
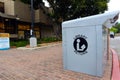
{"x": 2, "y": 7}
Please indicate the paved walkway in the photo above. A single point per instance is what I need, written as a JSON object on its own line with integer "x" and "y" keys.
{"x": 40, "y": 64}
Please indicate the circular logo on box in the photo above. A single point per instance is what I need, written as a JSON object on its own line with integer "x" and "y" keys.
{"x": 80, "y": 44}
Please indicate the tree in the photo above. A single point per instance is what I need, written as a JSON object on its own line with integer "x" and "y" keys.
{"x": 113, "y": 29}
{"x": 71, "y": 9}
{"x": 117, "y": 27}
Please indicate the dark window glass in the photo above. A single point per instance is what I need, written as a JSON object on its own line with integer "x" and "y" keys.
{"x": 2, "y": 7}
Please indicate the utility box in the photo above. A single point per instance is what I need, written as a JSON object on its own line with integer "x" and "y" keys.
{"x": 33, "y": 42}
{"x": 85, "y": 43}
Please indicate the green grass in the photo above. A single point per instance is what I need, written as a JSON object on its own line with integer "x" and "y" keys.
{"x": 19, "y": 43}
{"x": 22, "y": 43}
{"x": 50, "y": 39}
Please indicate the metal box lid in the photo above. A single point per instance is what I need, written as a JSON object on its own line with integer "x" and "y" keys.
{"x": 107, "y": 19}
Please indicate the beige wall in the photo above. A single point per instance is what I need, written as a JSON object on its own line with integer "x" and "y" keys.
{"x": 22, "y": 11}
{"x": 47, "y": 32}
{"x": 9, "y": 6}
{"x": 18, "y": 9}
{"x": 37, "y": 15}
{"x": 42, "y": 17}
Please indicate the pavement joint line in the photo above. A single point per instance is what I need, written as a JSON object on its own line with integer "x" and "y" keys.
{"x": 34, "y": 48}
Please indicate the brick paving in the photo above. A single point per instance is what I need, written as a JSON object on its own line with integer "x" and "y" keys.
{"x": 41, "y": 64}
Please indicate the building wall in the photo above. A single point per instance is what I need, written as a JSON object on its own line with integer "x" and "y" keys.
{"x": 9, "y": 6}
{"x": 22, "y": 11}
{"x": 47, "y": 32}
{"x": 37, "y": 15}
{"x": 41, "y": 16}
{"x": 18, "y": 9}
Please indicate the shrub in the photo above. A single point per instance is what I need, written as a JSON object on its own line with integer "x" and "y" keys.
{"x": 19, "y": 43}
{"x": 49, "y": 39}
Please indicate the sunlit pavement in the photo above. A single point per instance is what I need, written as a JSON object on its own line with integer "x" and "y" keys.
{"x": 115, "y": 44}
{"x": 40, "y": 64}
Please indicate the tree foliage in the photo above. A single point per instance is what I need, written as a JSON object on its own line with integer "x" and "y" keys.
{"x": 113, "y": 29}
{"x": 71, "y": 9}
{"x": 117, "y": 27}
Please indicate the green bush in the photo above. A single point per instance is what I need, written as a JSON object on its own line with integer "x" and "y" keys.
{"x": 49, "y": 39}
{"x": 113, "y": 29}
{"x": 19, "y": 43}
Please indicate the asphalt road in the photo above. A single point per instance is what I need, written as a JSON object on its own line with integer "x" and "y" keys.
{"x": 115, "y": 44}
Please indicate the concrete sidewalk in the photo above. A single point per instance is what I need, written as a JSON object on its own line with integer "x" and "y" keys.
{"x": 41, "y": 64}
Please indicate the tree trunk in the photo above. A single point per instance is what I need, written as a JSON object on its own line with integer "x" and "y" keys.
{"x": 57, "y": 30}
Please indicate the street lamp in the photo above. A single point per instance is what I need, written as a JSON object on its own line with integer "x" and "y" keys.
{"x": 33, "y": 40}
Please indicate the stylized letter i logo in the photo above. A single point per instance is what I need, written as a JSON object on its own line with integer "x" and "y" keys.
{"x": 80, "y": 44}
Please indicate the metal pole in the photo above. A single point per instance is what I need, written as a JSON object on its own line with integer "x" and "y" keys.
{"x": 33, "y": 40}
{"x": 32, "y": 20}
{"x": 108, "y": 44}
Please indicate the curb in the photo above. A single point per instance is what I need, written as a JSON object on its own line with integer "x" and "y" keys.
{"x": 115, "y": 66}
{"x": 34, "y": 48}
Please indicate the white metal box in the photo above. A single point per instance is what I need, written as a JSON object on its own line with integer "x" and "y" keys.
{"x": 85, "y": 43}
